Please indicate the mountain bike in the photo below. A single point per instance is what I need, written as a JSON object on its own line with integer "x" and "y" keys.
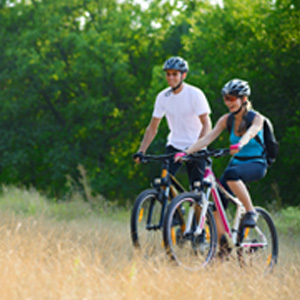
{"x": 150, "y": 206}
{"x": 188, "y": 240}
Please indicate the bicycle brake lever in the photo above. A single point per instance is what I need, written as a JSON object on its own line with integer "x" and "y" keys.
{"x": 144, "y": 160}
{"x": 221, "y": 152}
{"x": 185, "y": 158}
{"x": 218, "y": 154}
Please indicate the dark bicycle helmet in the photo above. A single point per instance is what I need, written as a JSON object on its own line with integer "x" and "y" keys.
{"x": 236, "y": 87}
{"x": 176, "y": 63}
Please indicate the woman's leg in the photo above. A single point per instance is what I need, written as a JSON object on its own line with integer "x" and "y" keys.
{"x": 234, "y": 179}
{"x": 219, "y": 225}
{"x": 240, "y": 191}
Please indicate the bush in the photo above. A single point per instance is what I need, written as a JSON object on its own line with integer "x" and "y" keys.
{"x": 288, "y": 220}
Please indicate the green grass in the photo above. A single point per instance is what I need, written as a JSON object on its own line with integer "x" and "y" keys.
{"x": 22, "y": 201}
{"x": 32, "y": 203}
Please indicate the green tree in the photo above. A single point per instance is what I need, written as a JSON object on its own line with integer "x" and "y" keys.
{"x": 78, "y": 80}
{"x": 257, "y": 41}
{"x": 72, "y": 74}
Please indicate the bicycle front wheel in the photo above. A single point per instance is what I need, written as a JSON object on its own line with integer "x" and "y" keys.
{"x": 145, "y": 226}
{"x": 188, "y": 247}
{"x": 259, "y": 245}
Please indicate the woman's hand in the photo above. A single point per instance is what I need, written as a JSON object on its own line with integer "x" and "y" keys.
{"x": 178, "y": 156}
{"x": 235, "y": 148}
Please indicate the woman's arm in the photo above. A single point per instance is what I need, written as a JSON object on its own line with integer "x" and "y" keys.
{"x": 210, "y": 137}
{"x": 253, "y": 130}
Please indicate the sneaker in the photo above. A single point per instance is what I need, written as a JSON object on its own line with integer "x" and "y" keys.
{"x": 250, "y": 219}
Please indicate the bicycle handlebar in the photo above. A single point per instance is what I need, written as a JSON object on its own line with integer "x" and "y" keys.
{"x": 216, "y": 153}
{"x": 199, "y": 155}
{"x": 146, "y": 158}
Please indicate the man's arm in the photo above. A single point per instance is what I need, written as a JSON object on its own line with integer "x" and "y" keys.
{"x": 150, "y": 134}
{"x": 206, "y": 123}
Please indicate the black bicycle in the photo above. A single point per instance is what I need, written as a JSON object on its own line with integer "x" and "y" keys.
{"x": 149, "y": 208}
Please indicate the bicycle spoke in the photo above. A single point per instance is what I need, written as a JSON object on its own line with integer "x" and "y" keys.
{"x": 145, "y": 227}
{"x": 259, "y": 245}
{"x": 190, "y": 250}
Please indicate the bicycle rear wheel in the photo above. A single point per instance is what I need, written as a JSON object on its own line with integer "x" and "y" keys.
{"x": 259, "y": 245}
{"x": 187, "y": 249}
{"x": 146, "y": 233}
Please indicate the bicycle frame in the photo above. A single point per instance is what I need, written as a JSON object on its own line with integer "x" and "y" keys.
{"x": 165, "y": 186}
{"x": 190, "y": 231}
{"x": 214, "y": 190}
{"x": 213, "y": 186}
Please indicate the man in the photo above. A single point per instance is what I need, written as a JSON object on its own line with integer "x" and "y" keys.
{"x": 187, "y": 112}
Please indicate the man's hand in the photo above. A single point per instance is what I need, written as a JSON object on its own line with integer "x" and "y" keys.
{"x": 137, "y": 157}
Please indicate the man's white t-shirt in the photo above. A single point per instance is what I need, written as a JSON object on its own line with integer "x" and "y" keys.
{"x": 182, "y": 112}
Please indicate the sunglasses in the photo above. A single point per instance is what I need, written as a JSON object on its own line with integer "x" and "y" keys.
{"x": 230, "y": 98}
{"x": 174, "y": 73}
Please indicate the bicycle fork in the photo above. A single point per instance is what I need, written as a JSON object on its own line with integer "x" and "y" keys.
{"x": 163, "y": 209}
{"x": 194, "y": 212}
{"x": 164, "y": 191}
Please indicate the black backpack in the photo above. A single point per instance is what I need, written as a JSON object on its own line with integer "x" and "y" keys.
{"x": 270, "y": 145}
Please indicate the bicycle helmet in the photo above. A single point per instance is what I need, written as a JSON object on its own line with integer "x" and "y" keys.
{"x": 176, "y": 63}
{"x": 236, "y": 87}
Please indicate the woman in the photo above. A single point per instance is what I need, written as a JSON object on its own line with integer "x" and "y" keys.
{"x": 248, "y": 163}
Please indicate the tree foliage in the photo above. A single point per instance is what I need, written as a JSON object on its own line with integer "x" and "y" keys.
{"x": 78, "y": 79}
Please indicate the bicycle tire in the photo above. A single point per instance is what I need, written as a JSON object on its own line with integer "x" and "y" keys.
{"x": 187, "y": 250}
{"x": 264, "y": 256}
{"x": 148, "y": 240}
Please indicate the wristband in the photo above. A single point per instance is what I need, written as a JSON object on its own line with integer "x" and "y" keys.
{"x": 236, "y": 146}
{"x": 180, "y": 154}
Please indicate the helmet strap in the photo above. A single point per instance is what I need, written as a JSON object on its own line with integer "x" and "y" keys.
{"x": 183, "y": 75}
{"x": 177, "y": 87}
{"x": 237, "y": 111}
{"x": 173, "y": 89}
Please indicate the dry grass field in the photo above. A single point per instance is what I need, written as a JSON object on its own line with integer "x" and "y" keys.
{"x": 92, "y": 258}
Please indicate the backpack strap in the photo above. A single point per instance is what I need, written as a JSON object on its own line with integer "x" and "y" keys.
{"x": 249, "y": 119}
{"x": 229, "y": 122}
{"x": 257, "y": 138}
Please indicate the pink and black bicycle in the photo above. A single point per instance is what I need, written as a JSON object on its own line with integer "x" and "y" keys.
{"x": 189, "y": 231}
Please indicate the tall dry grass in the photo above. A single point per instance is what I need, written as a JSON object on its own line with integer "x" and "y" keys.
{"x": 93, "y": 259}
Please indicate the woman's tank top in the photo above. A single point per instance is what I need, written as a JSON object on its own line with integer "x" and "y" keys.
{"x": 251, "y": 152}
